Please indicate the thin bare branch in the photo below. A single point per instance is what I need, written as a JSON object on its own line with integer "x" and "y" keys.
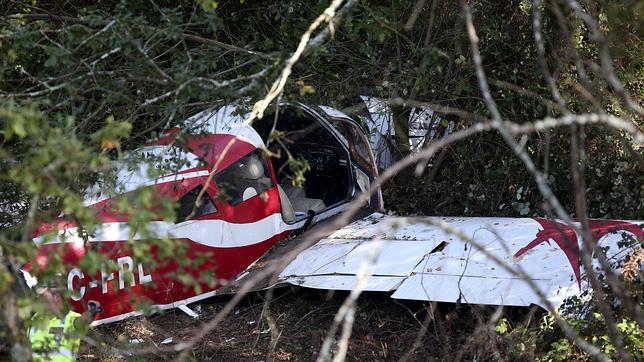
{"x": 329, "y": 15}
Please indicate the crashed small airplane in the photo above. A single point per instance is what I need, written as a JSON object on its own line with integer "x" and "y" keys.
{"x": 260, "y": 206}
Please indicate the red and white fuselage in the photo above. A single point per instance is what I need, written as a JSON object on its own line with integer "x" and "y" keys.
{"x": 206, "y": 251}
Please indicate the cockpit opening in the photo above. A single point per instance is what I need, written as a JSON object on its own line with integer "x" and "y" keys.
{"x": 298, "y": 136}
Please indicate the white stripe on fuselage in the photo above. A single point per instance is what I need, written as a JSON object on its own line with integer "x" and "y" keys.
{"x": 137, "y": 182}
{"x": 177, "y": 177}
{"x": 213, "y": 233}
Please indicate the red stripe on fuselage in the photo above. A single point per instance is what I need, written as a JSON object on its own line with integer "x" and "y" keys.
{"x": 219, "y": 150}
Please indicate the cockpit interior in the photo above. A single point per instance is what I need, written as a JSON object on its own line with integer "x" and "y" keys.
{"x": 295, "y": 136}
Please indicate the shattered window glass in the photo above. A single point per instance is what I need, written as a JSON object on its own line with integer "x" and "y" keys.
{"x": 187, "y": 203}
{"x": 358, "y": 144}
{"x": 244, "y": 179}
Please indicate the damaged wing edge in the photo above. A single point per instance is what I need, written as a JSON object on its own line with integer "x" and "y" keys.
{"x": 419, "y": 261}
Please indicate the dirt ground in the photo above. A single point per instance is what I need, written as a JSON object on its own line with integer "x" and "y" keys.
{"x": 384, "y": 329}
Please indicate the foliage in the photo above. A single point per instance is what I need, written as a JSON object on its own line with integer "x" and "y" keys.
{"x": 546, "y": 342}
{"x": 81, "y": 83}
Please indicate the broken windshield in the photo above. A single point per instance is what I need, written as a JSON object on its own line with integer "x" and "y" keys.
{"x": 244, "y": 179}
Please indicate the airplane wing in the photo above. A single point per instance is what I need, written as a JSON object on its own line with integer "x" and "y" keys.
{"x": 417, "y": 260}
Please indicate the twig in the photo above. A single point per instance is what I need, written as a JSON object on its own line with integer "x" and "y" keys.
{"x": 605, "y": 60}
{"x": 329, "y": 15}
{"x": 418, "y": 7}
{"x": 541, "y": 56}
